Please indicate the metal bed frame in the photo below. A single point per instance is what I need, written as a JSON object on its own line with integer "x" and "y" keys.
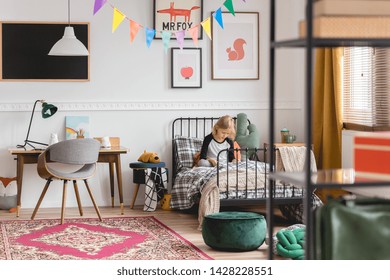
{"x": 198, "y": 128}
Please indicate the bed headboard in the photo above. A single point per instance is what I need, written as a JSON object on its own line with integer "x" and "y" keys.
{"x": 194, "y": 127}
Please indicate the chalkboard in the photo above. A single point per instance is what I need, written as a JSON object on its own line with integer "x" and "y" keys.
{"x": 25, "y": 46}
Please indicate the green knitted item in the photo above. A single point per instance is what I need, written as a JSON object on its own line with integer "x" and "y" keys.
{"x": 291, "y": 243}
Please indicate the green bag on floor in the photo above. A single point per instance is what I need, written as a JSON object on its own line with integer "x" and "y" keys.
{"x": 353, "y": 228}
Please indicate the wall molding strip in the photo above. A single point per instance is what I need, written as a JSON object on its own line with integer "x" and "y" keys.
{"x": 152, "y": 106}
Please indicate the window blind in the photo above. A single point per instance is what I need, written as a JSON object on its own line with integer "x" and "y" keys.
{"x": 366, "y": 85}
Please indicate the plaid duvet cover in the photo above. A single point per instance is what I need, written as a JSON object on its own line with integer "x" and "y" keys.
{"x": 189, "y": 183}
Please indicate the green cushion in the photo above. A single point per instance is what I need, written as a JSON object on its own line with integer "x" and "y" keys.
{"x": 234, "y": 231}
{"x": 247, "y": 136}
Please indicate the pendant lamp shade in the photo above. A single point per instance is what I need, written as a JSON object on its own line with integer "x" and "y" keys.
{"x": 69, "y": 45}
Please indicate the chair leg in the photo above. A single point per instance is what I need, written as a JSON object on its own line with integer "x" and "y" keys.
{"x": 63, "y": 202}
{"x": 93, "y": 200}
{"x": 41, "y": 198}
{"x": 76, "y": 191}
{"x": 134, "y": 195}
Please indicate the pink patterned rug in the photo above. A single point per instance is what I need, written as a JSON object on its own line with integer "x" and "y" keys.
{"x": 128, "y": 238}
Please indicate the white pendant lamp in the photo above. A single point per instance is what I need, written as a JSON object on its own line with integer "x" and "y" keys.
{"x": 69, "y": 45}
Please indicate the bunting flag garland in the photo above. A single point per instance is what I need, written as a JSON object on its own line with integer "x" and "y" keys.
{"x": 206, "y": 24}
{"x": 149, "y": 36}
{"x": 117, "y": 19}
{"x": 229, "y": 5}
{"x": 194, "y": 31}
{"x": 98, "y": 5}
{"x": 180, "y": 38}
{"x": 218, "y": 17}
{"x": 166, "y": 38}
{"x": 134, "y": 28}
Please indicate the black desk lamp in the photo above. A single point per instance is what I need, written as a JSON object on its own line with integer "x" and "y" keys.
{"x": 48, "y": 110}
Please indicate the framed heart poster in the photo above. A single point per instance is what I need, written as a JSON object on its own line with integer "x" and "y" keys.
{"x": 186, "y": 69}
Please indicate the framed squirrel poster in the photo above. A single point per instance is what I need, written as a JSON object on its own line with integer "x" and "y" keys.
{"x": 235, "y": 48}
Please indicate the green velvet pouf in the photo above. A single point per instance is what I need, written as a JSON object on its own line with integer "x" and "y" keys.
{"x": 234, "y": 231}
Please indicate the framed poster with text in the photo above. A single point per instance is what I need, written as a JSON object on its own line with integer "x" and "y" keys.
{"x": 177, "y": 15}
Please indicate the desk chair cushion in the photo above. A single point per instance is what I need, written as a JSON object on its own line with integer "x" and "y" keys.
{"x": 69, "y": 160}
{"x": 85, "y": 171}
{"x": 75, "y": 151}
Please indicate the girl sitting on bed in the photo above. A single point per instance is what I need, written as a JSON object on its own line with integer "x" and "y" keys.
{"x": 217, "y": 141}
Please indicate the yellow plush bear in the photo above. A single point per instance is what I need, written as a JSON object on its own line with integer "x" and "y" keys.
{"x": 150, "y": 157}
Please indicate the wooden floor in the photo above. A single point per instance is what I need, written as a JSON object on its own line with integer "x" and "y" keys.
{"x": 184, "y": 223}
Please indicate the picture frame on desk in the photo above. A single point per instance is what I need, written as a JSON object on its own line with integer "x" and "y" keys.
{"x": 235, "y": 48}
{"x": 177, "y": 15}
{"x": 77, "y": 127}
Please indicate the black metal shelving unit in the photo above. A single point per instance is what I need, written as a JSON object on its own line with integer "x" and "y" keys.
{"x": 323, "y": 178}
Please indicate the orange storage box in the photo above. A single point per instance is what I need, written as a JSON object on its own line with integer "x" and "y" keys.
{"x": 372, "y": 155}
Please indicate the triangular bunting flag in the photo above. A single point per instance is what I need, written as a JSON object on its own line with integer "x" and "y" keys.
{"x": 149, "y": 36}
{"x": 207, "y": 27}
{"x": 117, "y": 19}
{"x": 180, "y": 38}
{"x": 229, "y": 5}
{"x": 218, "y": 17}
{"x": 134, "y": 28}
{"x": 98, "y": 5}
{"x": 166, "y": 38}
{"x": 194, "y": 31}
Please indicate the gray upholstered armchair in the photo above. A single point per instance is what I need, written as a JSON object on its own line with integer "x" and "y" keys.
{"x": 82, "y": 155}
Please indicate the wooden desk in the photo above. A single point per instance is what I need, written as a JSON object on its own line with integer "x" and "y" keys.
{"x": 108, "y": 155}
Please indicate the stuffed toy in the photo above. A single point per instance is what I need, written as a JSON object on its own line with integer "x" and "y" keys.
{"x": 8, "y": 194}
{"x": 197, "y": 159}
{"x": 247, "y": 136}
{"x": 149, "y": 157}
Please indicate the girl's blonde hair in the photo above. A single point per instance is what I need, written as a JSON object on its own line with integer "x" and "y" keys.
{"x": 225, "y": 122}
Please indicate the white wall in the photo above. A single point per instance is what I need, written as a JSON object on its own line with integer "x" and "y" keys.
{"x": 129, "y": 92}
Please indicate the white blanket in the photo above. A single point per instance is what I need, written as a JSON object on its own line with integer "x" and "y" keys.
{"x": 293, "y": 159}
